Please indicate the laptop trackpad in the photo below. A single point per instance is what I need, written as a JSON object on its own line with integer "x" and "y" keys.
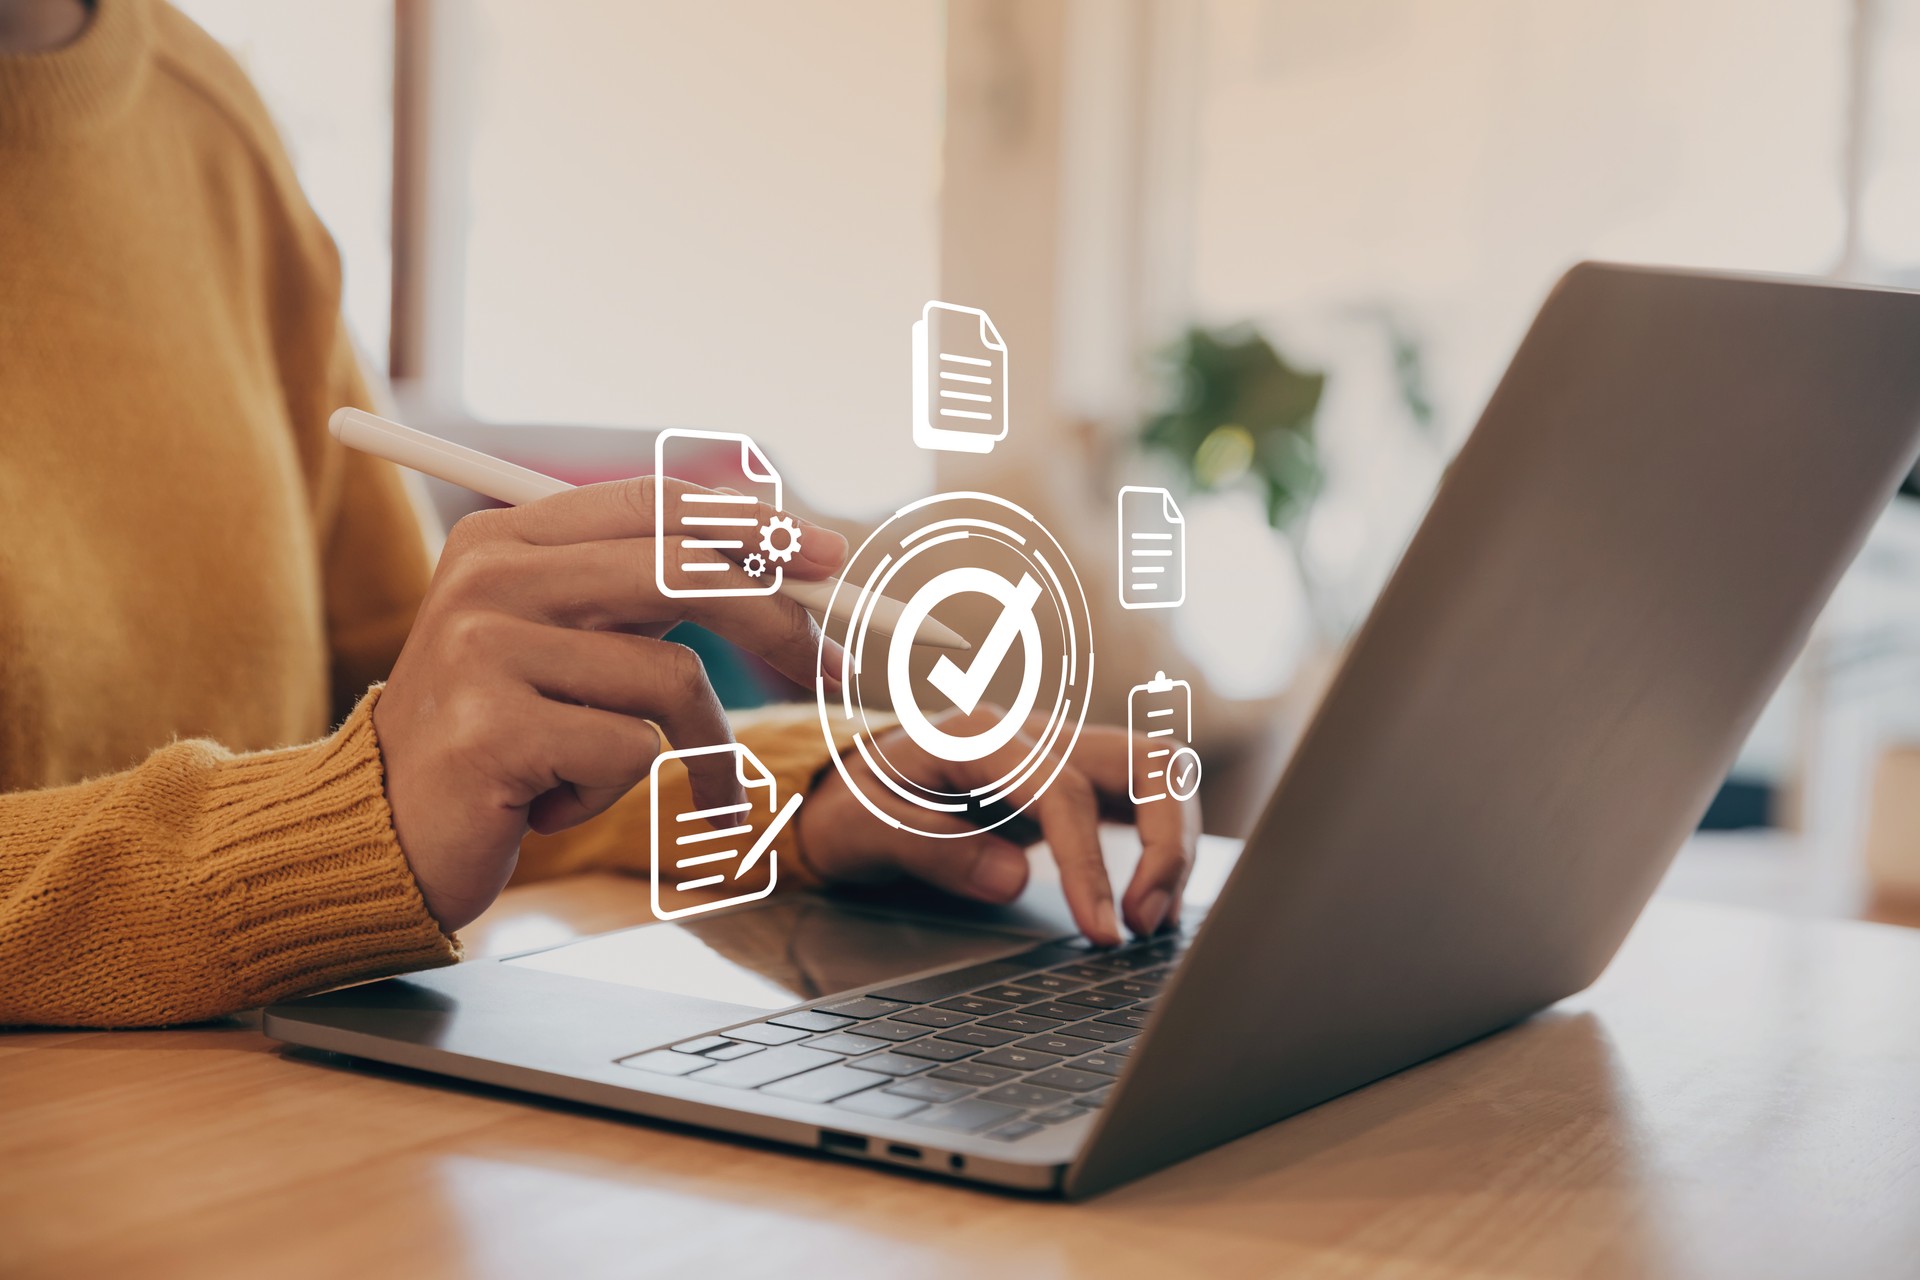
{"x": 770, "y": 957}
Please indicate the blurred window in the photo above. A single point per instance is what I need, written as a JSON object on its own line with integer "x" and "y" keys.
{"x": 326, "y": 74}
{"x": 719, "y": 216}
{"x": 1890, "y": 203}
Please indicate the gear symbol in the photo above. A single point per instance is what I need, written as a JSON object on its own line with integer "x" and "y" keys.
{"x": 755, "y": 564}
{"x": 780, "y": 550}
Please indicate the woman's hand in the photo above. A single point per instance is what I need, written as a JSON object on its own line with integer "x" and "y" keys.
{"x": 530, "y": 688}
{"x": 845, "y": 841}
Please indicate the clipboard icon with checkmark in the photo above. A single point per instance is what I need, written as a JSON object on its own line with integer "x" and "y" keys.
{"x": 1161, "y": 711}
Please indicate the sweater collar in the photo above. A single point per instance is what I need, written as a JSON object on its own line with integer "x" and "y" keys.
{"x": 82, "y": 86}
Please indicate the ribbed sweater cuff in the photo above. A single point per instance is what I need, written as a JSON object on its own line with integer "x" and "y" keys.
{"x": 310, "y": 886}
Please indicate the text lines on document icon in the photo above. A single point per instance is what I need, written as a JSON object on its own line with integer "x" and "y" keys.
{"x": 959, "y": 380}
{"x": 704, "y": 859}
{"x": 708, "y": 544}
{"x": 1153, "y": 549}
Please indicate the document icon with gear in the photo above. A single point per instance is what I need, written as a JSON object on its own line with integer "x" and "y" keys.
{"x": 1153, "y": 549}
{"x": 723, "y": 522}
{"x": 959, "y": 380}
{"x": 727, "y": 851}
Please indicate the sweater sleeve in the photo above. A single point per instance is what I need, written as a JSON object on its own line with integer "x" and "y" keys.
{"x": 375, "y": 560}
{"x": 200, "y": 882}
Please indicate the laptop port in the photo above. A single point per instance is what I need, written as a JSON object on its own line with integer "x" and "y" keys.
{"x": 956, "y": 1163}
{"x": 901, "y": 1151}
{"x": 831, "y": 1140}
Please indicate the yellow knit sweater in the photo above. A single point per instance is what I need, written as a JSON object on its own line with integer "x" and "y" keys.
{"x": 193, "y": 576}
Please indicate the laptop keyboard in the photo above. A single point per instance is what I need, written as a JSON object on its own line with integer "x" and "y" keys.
{"x": 1005, "y": 1048}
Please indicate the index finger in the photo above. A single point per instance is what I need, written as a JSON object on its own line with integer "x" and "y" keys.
{"x": 1169, "y": 828}
{"x": 1064, "y": 801}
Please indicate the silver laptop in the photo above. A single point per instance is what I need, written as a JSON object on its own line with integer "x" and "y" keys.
{"x": 1614, "y": 575}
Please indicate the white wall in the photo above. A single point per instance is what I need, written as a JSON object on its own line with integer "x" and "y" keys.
{"x": 717, "y": 215}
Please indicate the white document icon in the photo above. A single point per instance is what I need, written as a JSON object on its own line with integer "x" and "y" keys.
{"x": 728, "y": 850}
{"x": 959, "y": 380}
{"x": 1161, "y": 710}
{"x": 1153, "y": 549}
{"x": 721, "y": 522}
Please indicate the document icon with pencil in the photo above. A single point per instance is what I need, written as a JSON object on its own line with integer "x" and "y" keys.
{"x": 723, "y": 522}
{"x": 1153, "y": 549}
{"x": 727, "y": 851}
{"x": 959, "y": 380}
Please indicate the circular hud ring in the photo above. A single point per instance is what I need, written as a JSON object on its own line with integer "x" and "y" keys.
{"x": 987, "y": 568}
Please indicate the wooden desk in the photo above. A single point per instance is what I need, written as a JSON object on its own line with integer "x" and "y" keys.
{"x": 1739, "y": 1097}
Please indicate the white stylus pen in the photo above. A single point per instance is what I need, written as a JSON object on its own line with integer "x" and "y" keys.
{"x": 514, "y": 485}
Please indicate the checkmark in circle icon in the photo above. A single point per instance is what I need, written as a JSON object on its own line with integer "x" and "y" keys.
{"x": 888, "y": 706}
{"x": 966, "y": 688}
{"x": 1183, "y": 774}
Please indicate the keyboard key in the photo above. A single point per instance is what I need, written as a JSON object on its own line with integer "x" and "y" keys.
{"x": 1024, "y": 1023}
{"x": 974, "y": 1074}
{"x": 1131, "y": 988}
{"x": 1026, "y": 1095}
{"x": 1097, "y": 1000}
{"x": 937, "y": 1050}
{"x": 666, "y": 1062}
{"x": 933, "y": 1017}
{"x": 1135, "y": 1018}
{"x": 1058, "y": 1115}
{"x": 927, "y": 1089}
{"x": 969, "y": 1116}
{"x": 1014, "y": 1132}
{"x": 958, "y": 982}
{"x": 863, "y": 1007}
{"x": 983, "y": 1037}
{"x": 977, "y": 1006}
{"x": 1004, "y": 993}
{"x": 1118, "y": 1050}
{"x": 1099, "y": 1030}
{"x": 823, "y": 1084}
{"x": 890, "y": 1064}
{"x": 812, "y": 1020}
{"x": 701, "y": 1045}
{"x": 1105, "y": 1063}
{"x": 1095, "y": 1098}
{"x": 767, "y": 1033}
{"x": 890, "y": 1030}
{"x": 765, "y": 1068}
{"x": 1124, "y": 962}
{"x": 1064, "y": 1045}
{"x": 882, "y": 1105}
{"x": 1053, "y": 982}
{"x": 1069, "y": 1079}
{"x": 732, "y": 1049}
{"x": 1058, "y": 1012}
{"x": 1083, "y": 973}
{"x": 1020, "y": 1059}
{"x": 846, "y": 1042}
